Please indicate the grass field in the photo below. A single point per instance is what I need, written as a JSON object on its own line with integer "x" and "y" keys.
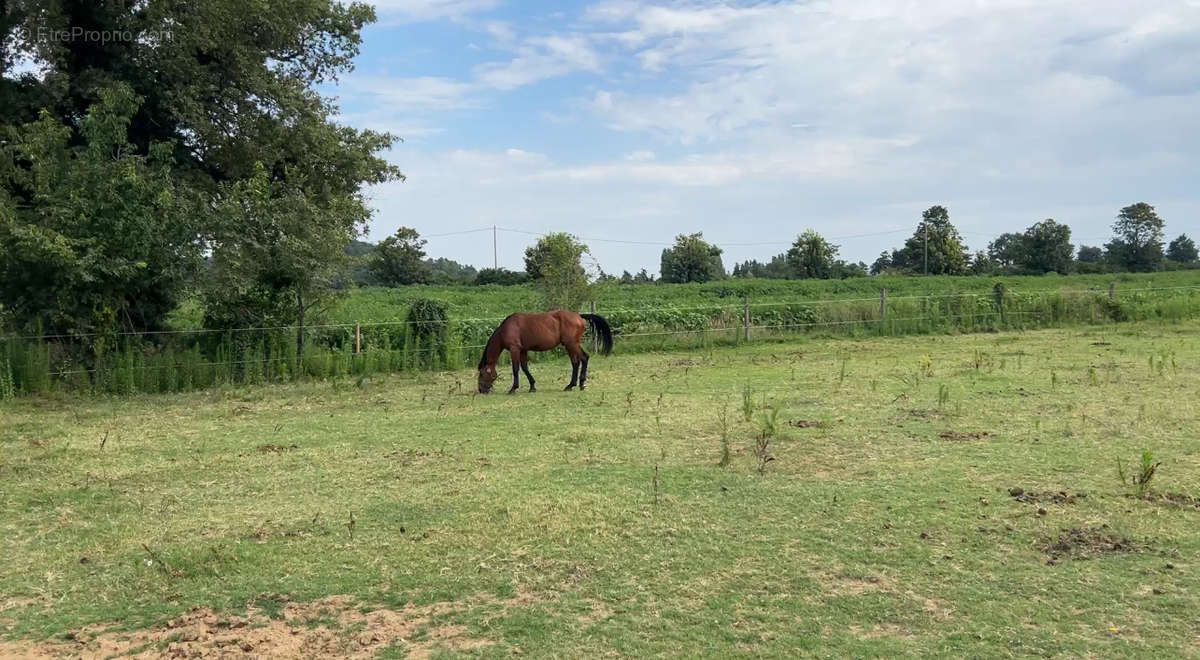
{"x": 403, "y": 516}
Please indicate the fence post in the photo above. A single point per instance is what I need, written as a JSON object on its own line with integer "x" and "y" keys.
{"x": 595, "y": 339}
{"x": 357, "y": 339}
{"x": 882, "y": 303}
{"x": 746, "y": 316}
{"x": 1111, "y": 286}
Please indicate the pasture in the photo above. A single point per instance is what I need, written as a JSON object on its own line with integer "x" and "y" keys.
{"x": 899, "y": 496}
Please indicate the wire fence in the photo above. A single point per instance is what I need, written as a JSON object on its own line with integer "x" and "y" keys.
{"x": 172, "y": 360}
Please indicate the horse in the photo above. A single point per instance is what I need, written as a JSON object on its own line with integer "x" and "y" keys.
{"x": 521, "y": 333}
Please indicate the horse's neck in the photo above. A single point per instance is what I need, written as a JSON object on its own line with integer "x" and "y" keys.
{"x": 491, "y": 352}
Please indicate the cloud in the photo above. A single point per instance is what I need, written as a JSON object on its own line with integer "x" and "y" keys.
{"x": 424, "y": 10}
{"x": 538, "y": 58}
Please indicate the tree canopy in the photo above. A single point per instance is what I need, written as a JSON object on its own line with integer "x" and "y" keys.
{"x": 691, "y": 259}
{"x": 194, "y": 135}
{"x": 811, "y": 256}
{"x": 399, "y": 259}
{"x": 935, "y": 248}
{"x": 1182, "y": 250}
{"x": 1137, "y": 244}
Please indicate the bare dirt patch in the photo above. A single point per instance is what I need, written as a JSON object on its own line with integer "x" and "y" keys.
{"x": 1088, "y": 543}
{"x": 964, "y": 436}
{"x": 806, "y": 424}
{"x": 1044, "y": 497}
{"x": 1179, "y": 500}
{"x": 276, "y": 449}
{"x": 329, "y": 627}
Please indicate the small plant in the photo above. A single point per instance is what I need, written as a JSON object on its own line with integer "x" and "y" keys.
{"x": 768, "y": 429}
{"x": 1146, "y": 470}
{"x": 842, "y": 377}
{"x": 1053, "y": 379}
{"x": 658, "y": 414}
{"x": 747, "y": 402}
{"x": 943, "y": 394}
{"x": 926, "y": 366}
{"x": 1092, "y": 377}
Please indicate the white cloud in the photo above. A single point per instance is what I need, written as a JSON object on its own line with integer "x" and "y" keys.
{"x": 539, "y": 58}
{"x": 423, "y": 10}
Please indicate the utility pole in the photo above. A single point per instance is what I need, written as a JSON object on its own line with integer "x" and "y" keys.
{"x": 926, "y": 224}
{"x": 495, "y": 259}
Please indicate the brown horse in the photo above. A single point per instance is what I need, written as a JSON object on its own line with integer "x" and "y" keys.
{"x": 521, "y": 333}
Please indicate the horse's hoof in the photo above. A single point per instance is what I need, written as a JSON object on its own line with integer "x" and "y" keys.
{"x": 513, "y": 391}
{"x": 568, "y": 388}
{"x": 531, "y": 390}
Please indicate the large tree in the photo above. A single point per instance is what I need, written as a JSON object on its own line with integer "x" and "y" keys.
{"x": 552, "y": 246}
{"x": 1007, "y": 250}
{"x": 93, "y": 237}
{"x": 1137, "y": 244}
{"x": 691, "y": 259}
{"x": 1046, "y": 247}
{"x": 221, "y": 97}
{"x": 935, "y": 248}
{"x": 555, "y": 263}
{"x": 811, "y": 256}
{"x": 1090, "y": 254}
{"x": 1182, "y": 250}
{"x": 399, "y": 259}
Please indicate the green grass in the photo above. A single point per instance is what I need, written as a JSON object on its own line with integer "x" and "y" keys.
{"x": 883, "y": 526}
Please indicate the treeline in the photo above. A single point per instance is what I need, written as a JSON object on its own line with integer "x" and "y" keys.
{"x": 935, "y": 248}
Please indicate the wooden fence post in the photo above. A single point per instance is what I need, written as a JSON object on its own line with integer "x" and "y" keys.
{"x": 357, "y": 339}
{"x": 746, "y": 316}
{"x": 882, "y": 303}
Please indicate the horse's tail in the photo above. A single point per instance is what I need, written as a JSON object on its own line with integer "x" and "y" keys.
{"x": 602, "y": 330}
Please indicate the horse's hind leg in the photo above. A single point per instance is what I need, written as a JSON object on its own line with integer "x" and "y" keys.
{"x": 574, "y": 352}
{"x": 583, "y": 359}
{"x": 525, "y": 368}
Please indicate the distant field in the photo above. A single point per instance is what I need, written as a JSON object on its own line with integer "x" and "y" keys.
{"x": 375, "y": 304}
{"x": 934, "y": 495}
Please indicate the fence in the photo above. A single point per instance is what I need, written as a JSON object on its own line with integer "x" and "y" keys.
{"x": 167, "y": 361}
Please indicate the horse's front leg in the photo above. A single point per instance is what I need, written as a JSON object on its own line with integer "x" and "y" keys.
{"x": 515, "y": 357}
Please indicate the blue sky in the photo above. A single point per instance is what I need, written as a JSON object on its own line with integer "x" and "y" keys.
{"x": 636, "y": 121}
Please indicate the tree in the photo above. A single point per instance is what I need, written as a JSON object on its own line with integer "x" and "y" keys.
{"x": 1046, "y": 247}
{"x": 559, "y": 243}
{"x": 691, "y": 259}
{"x": 1007, "y": 250}
{"x": 811, "y": 256}
{"x": 883, "y": 263}
{"x": 982, "y": 264}
{"x": 1090, "y": 255}
{"x": 1183, "y": 250}
{"x": 1138, "y": 242}
{"x": 448, "y": 271}
{"x": 221, "y": 97}
{"x": 93, "y": 237}
{"x": 276, "y": 257}
{"x": 935, "y": 247}
{"x": 399, "y": 259}
{"x": 643, "y": 277}
{"x": 500, "y": 276}
{"x": 554, "y": 263}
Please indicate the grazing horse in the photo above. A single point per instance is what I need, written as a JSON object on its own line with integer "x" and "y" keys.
{"x": 521, "y": 333}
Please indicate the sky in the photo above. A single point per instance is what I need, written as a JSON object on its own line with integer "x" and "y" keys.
{"x": 627, "y": 122}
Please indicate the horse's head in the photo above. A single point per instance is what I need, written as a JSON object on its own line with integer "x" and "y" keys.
{"x": 487, "y": 376}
